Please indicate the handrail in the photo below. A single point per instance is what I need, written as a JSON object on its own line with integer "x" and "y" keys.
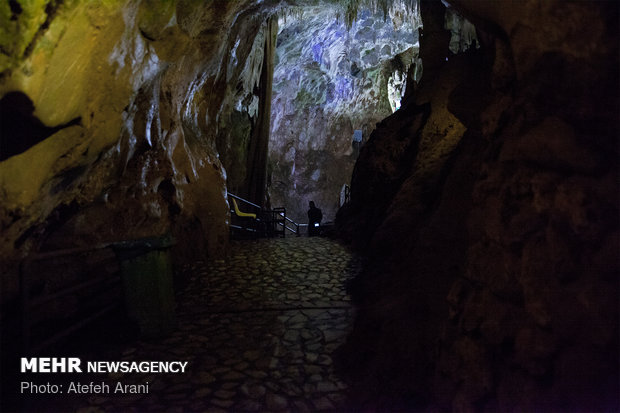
{"x": 253, "y": 226}
{"x": 291, "y": 221}
{"x": 261, "y": 213}
{"x": 240, "y": 213}
{"x": 77, "y": 250}
{"x": 68, "y": 251}
{"x": 28, "y": 303}
{"x": 244, "y": 200}
{"x": 295, "y": 230}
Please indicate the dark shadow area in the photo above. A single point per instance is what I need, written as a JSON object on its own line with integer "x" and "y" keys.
{"x": 257, "y": 330}
{"x": 380, "y": 180}
{"x": 101, "y": 340}
{"x": 19, "y": 128}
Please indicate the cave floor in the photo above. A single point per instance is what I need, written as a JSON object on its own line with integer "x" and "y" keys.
{"x": 258, "y": 330}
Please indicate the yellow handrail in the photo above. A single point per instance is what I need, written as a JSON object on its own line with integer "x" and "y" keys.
{"x": 239, "y": 213}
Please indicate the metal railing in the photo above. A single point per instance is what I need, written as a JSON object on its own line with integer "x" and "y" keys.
{"x": 265, "y": 220}
{"x": 244, "y": 224}
{"x": 267, "y": 223}
{"x": 93, "y": 290}
{"x": 295, "y": 229}
{"x": 29, "y": 303}
{"x": 245, "y": 201}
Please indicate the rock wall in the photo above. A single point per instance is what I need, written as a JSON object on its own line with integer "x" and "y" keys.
{"x": 488, "y": 211}
{"x": 329, "y": 81}
{"x": 149, "y": 94}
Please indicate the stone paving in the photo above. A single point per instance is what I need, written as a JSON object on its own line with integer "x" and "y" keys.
{"x": 258, "y": 330}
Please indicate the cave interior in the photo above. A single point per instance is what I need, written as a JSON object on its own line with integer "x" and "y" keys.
{"x": 465, "y": 151}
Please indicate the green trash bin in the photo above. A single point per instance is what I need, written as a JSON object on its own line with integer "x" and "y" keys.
{"x": 146, "y": 271}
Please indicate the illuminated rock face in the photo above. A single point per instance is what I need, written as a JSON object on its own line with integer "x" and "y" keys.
{"x": 330, "y": 81}
{"x": 152, "y": 91}
{"x": 488, "y": 210}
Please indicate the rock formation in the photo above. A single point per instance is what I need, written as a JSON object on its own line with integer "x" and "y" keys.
{"x": 331, "y": 80}
{"x": 490, "y": 224}
{"x": 155, "y": 97}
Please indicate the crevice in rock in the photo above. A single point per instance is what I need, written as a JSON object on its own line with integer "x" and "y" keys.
{"x": 20, "y": 129}
{"x": 50, "y": 11}
{"x": 16, "y": 9}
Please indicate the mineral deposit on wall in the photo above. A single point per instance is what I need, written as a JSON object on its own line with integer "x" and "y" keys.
{"x": 329, "y": 81}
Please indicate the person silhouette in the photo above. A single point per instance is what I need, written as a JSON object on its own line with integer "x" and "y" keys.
{"x": 314, "y": 220}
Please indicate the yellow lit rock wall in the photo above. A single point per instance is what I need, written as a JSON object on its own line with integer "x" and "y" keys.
{"x": 149, "y": 80}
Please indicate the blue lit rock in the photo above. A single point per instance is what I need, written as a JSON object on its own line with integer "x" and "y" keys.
{"x": 330, "y": 81}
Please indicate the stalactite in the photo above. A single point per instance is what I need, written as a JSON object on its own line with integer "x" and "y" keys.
{"x": 257, "y": 157}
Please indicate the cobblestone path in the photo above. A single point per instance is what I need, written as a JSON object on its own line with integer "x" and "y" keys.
{"x": 258, "y": 330}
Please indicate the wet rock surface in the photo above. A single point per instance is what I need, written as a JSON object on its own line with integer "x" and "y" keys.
{"x": 330, "y": 81}
{"x": 145, "y": 82}
{"x": 258, "y": 331}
